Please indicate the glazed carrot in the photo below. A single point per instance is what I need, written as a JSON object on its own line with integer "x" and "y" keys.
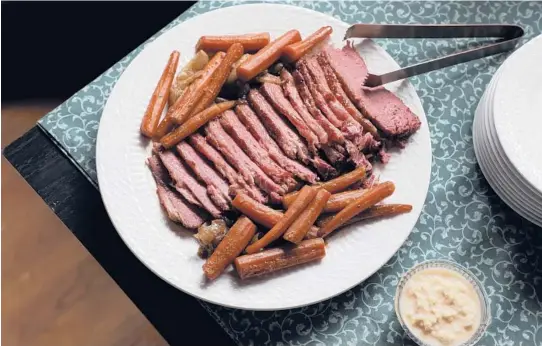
{"x": 194, "y": 123}
{"x": 230, "y": 247}
{"x": 233, "y": 54}
{"x": 159, "y": 97}
{"x": 340, "y": 200}
{"x": 266, "y": 56}
{"x": 191, "y": 95}
{"x": 382, "y": 210}
{"x": 272, "y": 260}
{"x": 257, "y": 212}
{"x": 334, "y": 185}
{"x": 306, "y": 194}
{"x": 296, "y": 50}
{"x": 250, "y": 42}
{"x": 297, "y": 231}
{"x": 336, "y": 202}
{"x": 367, "y": 200}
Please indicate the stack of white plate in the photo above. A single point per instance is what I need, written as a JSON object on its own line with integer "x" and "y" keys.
{"x": 507, "y": 131}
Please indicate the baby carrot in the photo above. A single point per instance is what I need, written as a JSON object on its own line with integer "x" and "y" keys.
{"x": 297, "y": 231}
{"x": 159, "y": 97}
{"x": 230, "y": 247}
{"x": 296, "y": 50}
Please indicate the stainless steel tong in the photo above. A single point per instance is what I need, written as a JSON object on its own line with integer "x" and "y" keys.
{"x": 507, "y": 38}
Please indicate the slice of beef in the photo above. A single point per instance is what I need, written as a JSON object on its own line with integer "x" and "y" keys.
{"x": 217, "y": 188}
{"x": 352, "y": 130}
{"x": 333, "y": 155}
{"x": 237, "y": 183}
{"x": 257, "y": 129}
{"x": 288, "y": 86}
{"x": 217, "y": 136}
{"x": 274, "y": 94}
{"x": 350, "y": 68}
{"x": 333, "y": 132}
{"x": 185, "y": 181}
{"x": 177, "y": 208}
{"x": 325, "y": 170}
{"x": 338, "y": 91}
{"x": 287, "y": 139}
{"x": 318, "y": 98}
{"x": 255, "y": 151}
{"x": 388, "y": 112}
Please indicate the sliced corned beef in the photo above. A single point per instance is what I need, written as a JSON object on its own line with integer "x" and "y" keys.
{"x": 237, "y": 183}
{"x": 388, "y": 112}
{"x": 333, "y": 132}
{"x": 255, "y": 151}
{"x": 333, "y": 155}
{"x": 184, "y": 181}
{"x": 288, "y": 86}
{"x": 217, "y": 188}
{"x": 257, "y": 129}
{"x": 325, "y": 170}
{"x": 287, "y": 139}
{"x": 217, "y": 136}
{"x": 177, "y": 209}
{"x": 349, "y": 67}
{"x": 274, "y": 94}
{"x": 318, "y": 98}
{"x": 341, "y": 96}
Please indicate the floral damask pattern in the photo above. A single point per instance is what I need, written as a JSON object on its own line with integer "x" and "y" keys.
{"x": 462, "y": 220}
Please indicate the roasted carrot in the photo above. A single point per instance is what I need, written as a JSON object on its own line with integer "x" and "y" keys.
{"x": 306, "y": 194}
{"x": 266, "y": 56}
{"x": 297, "y": 231}
{"x": 336, "y": 202}
{"x": 340, "y": 200}
{"x": 159, "y": 97}
{"x": 233, "y": 54}
{"x": 334, "y": 185}
{"x": 257, "y": 212}
{"x": 382, "y": 210}
{"x": 272, "y": 260}
{"x": 250, "y": 42}
{"x": 367, "y": 200}
{"x": 186, "y": 103}
{"x": 297, "y": 50}
{"x": 194, "y": 123}
{"x": 230, "y": 247}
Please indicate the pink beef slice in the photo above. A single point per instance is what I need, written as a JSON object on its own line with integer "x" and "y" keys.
{"x": 291, "y": 92}
{"x": 254, "y": 150}
{"x": 177, "y": 208}
{"x": 185, "y": 181}
{"x": 287, "y": 139}
{"x": 237, "y": 183}
{"x": 274, "y": 94}
{"x": 334, "y": 133}
{"x": 257, "y": 129}
{"x": 388, "y": 112}
{"x": 218, "y": 137}
{"x": 349, "y": 67}
{"x": 217, "y": 188}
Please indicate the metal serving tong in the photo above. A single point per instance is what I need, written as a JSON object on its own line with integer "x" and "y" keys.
{"x": 508, "y": 36}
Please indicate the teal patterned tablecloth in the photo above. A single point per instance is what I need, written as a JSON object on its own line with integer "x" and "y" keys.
{"x": 462, "y": 220}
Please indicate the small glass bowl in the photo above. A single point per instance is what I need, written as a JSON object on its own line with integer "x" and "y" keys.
{"x": 485, "y": 305}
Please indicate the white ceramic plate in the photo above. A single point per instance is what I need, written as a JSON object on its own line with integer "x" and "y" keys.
{"x": 507, "y": 184}
{"x": 128, "y": 189}
{"x": 517, "y": 111}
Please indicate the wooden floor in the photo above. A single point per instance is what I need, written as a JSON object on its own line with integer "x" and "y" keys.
{"x": 54, "y": 293}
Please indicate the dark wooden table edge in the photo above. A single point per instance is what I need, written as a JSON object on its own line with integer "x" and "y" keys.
{"x": 178, "y": 317}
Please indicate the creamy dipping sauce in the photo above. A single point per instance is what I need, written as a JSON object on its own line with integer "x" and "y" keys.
{"x": 440, "y": 307}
